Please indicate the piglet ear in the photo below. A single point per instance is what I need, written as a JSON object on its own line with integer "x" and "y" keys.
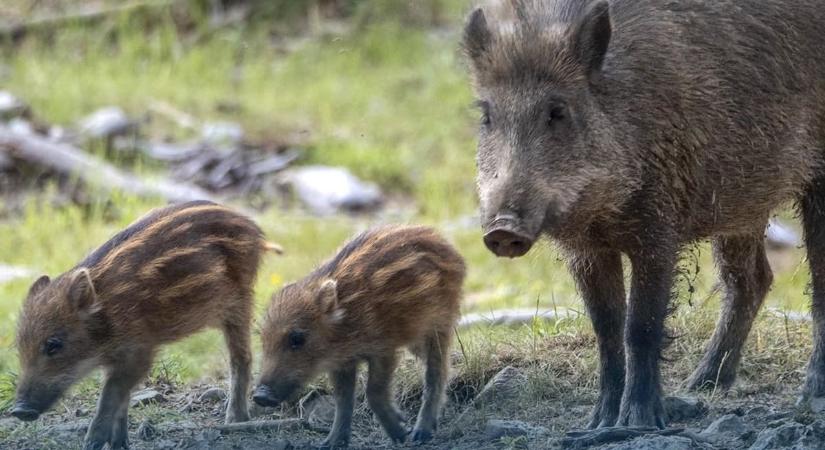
{"x": 328, "y": 295}
{"x": 82, "y": 296}
{"x": 328, "y": 300}
{"x": 38, "y": 286}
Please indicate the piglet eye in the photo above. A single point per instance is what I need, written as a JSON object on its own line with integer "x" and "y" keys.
{"x": 52, "y": 346}
{"x": 296, "y": 339}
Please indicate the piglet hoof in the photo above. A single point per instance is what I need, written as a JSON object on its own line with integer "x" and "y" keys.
{"x": 332, "y": 444}
{"x": 420, "y": 436}
{"x": 236, "y": 417}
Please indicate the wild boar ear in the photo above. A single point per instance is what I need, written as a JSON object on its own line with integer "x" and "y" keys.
{"x": 477, "y": 35}
{"x": 591, "y": 36}
{"x": 82, "y": 295}
{"x": 38, "y": 286}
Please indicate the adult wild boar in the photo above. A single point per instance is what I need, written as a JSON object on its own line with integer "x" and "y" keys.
{"x": 636, "y": 127}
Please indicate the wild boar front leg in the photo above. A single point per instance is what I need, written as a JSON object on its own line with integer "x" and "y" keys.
{"x": 600, "y": 281}
{"x": 110, "y": 423}
{"x": 812, "y": 207}
{"x": 379, "y": 396}
{"x": 650, "y": 290}
{"x": 343, "y": 381}
{"x": 236, "y": 334}
{"x": 746, "y": 273}
{"x": 437, "y": 353}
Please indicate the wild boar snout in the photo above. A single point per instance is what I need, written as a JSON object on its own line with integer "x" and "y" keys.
{"x": 504, "y": 236}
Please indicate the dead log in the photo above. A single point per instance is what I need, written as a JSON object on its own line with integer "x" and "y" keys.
{"x": 71, "y": 161}
{"x": 89, "y": 14}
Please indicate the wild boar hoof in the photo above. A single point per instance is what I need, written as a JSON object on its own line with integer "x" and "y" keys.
{"x": 421, "y": 436}
{"x": 708, "y": 379}
{"x": 120, "y": 442}
{"x": 641, "y": 416}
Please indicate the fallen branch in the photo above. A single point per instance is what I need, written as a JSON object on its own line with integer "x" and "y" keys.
{"x": 86, "y": 15}
{"x": 69, "y": 160}
{"x": 601, "y": 436}
{"x": 275, "y": 426}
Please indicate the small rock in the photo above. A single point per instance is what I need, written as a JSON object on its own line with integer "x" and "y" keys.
{"x": 8, "y": 273}
{"x": 326, "y": 190}
{"x": 813, "y": 437}
{"x": 319, "y": 409}
{"x": 11, "y": 106}
{"x": 758, "y": 411}
{"x": 779, "y": 437}
{"x": 679, "y": 409}
{"x": 106, "y": 122}
{"x": 496, "y": 429}
{"x": 726, "y": 430}
{"x": 212, "y": 395}
{"x": 146, "y": 397}
{"x": 165, "y": 444}
{"x": 207, "y": 435}
{"x": 505, "y": 385}
{"x": 222, "y": 133}
{"x": 654, "y": 442}
{"x": 779, "y": 235}
{"x": 146, "y": 431}
{"x": 21, "y": 126}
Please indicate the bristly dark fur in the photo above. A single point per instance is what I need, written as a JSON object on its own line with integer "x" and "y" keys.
{"x": 636, "y": 127}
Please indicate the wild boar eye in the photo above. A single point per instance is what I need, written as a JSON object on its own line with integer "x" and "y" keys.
{"x": 485, "y": 113}
{"x": 556, "y": 114}
{"x": 296, "y": 339}
{"x": 52, "y": 346}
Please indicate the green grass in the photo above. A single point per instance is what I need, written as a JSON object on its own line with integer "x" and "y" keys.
{"x": 390, "y": 102}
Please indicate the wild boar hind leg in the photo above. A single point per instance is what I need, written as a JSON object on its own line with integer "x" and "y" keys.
{"x": 600, "y": 281}
{"x": 744, "y": 269}
{"x": 813, "y": 220}
{"x": 109, "y": 425}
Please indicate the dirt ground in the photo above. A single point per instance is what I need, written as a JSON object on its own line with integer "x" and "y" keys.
{"x": 755, "y": 415}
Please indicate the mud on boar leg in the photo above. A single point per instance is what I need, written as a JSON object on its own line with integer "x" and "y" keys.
{"x": 379, "y": 396}
{"x": 435, "y": 378}
{"x": 813, "y": 218}
{"x": 600, "y": 280}
{"x": 746, "y": 273}
{"x": 110, "y": 423}
{"x": 237, "y": 339}
{"x": 650, "y": 290}
{"x": 343, "y": 383}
